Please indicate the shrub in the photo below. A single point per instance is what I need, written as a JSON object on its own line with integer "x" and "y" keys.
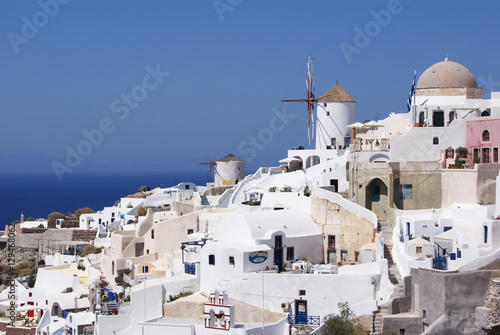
{"x": 55, "y": 216}
{"x": 67, "y": 290}
{"x": 40, "y": 226}
{"x": 25, "y": 272}
{"x": 286, "y": 188}
{"x": 307, "y": 191}
{"x": 180, "y": 295}
{"x": 31, "y": 281}
{"x": 30, "y": 219}
{"x": 141, "y": 211}
{"x": 23, "y": 265}
{"x": 127, "y": 298}
{"x": 84, "y": 210}
{"x": 90, "y": 249}
{"x": 462, "y": 152}
{"x": 343, "y": 323}
{"x": 272, "y": 189}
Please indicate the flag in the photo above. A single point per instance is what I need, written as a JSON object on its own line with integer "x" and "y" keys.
{"x": 412, "y": 92}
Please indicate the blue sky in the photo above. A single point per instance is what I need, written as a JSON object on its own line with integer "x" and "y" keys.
{"x": 229, "y": 63}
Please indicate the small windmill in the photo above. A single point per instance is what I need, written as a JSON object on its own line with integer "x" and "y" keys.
{"x": 310, "y": 100}
{"x": 213, "y": 169}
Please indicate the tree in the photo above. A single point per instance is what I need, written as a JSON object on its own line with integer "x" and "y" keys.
{"x": 84, "y": 210}
{"x": 30, "y": 219}
{"x": 341, "y": 324}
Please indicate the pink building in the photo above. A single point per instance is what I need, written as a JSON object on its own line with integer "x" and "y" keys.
{"x": 482, "y": 136}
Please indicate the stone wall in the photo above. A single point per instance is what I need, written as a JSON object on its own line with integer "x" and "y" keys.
{"x": 351, "y": 231}
{"x": 33, "y": 240}
{"x": 492, "y": 301}
{"x": 33, "y": 230}
{"x": 83, "y": 235}
{"x": 20, "y": 331}
{"x": 214, "y": 191}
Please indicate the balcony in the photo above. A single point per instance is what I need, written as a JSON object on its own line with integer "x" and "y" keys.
{"x": 308, "y": 320}
{"x": 370, "y": 145}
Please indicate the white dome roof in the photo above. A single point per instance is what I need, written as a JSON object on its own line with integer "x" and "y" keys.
{"x": 446, "y": 74}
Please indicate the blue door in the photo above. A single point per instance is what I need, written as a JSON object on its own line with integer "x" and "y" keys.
{"x": 278, "y": 258}
{"x": 439, "y": 263}
{"x": 301, "y": 311}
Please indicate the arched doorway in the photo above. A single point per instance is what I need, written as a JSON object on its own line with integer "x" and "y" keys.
{"x": 377, "y": 197}
{"x": 312, "y": 160}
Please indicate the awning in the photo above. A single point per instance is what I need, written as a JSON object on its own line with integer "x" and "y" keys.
{"x": 289, "y": 160}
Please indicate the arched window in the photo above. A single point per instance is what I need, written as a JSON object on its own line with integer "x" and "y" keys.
{"x": 485, "y": 136}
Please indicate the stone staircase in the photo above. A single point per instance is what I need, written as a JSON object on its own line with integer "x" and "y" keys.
{"x": 225, "y": 197}
{"x": 240, "y": 196}
{"x": 385, "y": 229}
{"x": 204, "y": 200}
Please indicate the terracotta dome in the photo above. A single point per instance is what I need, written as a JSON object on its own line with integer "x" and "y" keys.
{"x": 446, "y": 74}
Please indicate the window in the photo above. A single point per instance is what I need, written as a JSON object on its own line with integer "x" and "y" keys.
{"x": 419, "y": 250}
{"x": 450, "y": 153}
{"x": 290, "y": 254}
{"x": 421, "y": 119}
{"x": 343, "y": 255}
{"x": 485, "y": 136}
{"x": 347, "y": 140}
{"x": 495, "y": 155}
{"x": 475, "y": 153}
{"x": 452, "y": 116}
{"x": 331, "y": 241}
{"x": 438, "y": 119}
{"x": 190, "y": 231}
{"x": 231, "y": 260}
{"x": 435, "y": 140}
{"x": 485, "y": 155}
{"x": 324, "y": 104}
{"x": 356, "y": 256}
{"x": 302, "y": 292}
{"x": 187, "y": 187}
{"x": 152, "y": 234}
{"x": 30, "y": 294}
{"x": 327, "y": 113}
{"x": 334, "y": 141}
{"x": 406, "y": 191}
{"x": 145, "y": 269}
{"x": 211, "y": 259}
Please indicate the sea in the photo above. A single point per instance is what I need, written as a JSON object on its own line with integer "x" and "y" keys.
{"x": 39, "y": 194}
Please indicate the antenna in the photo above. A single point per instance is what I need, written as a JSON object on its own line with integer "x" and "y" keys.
{"x": 310, "y": 100}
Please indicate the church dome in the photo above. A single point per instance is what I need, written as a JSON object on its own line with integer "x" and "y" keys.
{"x": 446, "y": 74}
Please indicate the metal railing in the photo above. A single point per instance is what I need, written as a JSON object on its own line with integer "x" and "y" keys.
{"x": 303, "y": 320}
{"x": 359, "y": 144}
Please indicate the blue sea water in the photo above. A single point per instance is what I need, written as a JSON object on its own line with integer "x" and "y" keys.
{"x": 37, "y": 195}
